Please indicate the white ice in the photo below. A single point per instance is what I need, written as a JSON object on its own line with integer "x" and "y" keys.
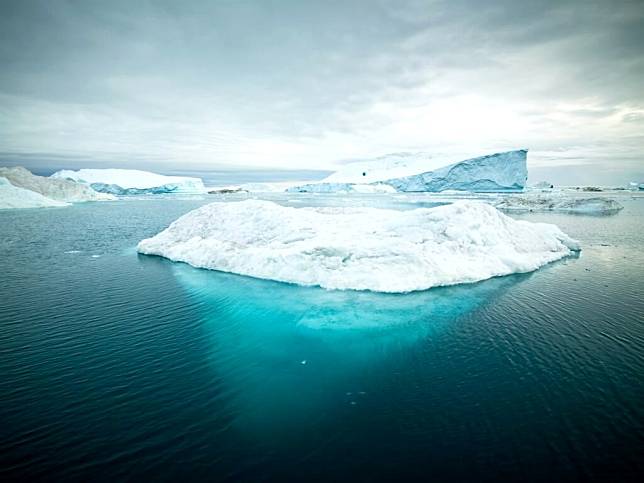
{"x": 394, "y": 165}
{"x": 360, "y": 248}
{"x": 421, "y": 172}
{"x": 133, "y": 179}
{"x": 14, "y": 197}
{"x": 559, "y": 202}
{"x": 56, "y": 189}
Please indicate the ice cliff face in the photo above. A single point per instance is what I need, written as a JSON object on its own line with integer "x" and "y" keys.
{"x": 12, "y": 197}
{"x": 360, "y": 248}
{"x": 54, "y": 188}
{"x": 411, "y": 173}
{"x": 132, "y": 181}
{"x": 496, "y": 172}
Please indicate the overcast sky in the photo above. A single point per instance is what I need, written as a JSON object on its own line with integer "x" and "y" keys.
{"x": 304, "y": 84}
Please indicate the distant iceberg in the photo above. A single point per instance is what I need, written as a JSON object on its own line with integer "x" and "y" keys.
{"x": 360, "y": 248}
{"x": 54, "y": 188}
{"x": 421, "y": 172}
{"x": 12, "y": 197}
{"x": 559, "y": 203}
{"x": 341, "y": 188}
{"x": 543, "y": 185}
{"x": 132, "y": 181}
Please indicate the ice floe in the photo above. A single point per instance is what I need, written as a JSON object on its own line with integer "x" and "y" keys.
{"x": 594, "y": 205}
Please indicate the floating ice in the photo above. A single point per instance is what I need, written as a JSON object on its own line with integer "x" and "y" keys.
{"x": 543, "y": 185}
{"x": 360, "y": 248}
{"x": 132, "y": 181}
{"x": 14, "y": 197}
{"x": 422, "y": 172}
{"x": 341, "y": 188}
{"x": 559, "y": 203}
{"x": 54, "y": 188}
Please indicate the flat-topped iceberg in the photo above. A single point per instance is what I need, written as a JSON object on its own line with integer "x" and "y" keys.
{"x": 132, "y": 181}
{"x": 360, "y": 248}
{"x": 12, "y": 197}
{"x": 560, "y": 203}
{"x": 423, "y": 173}
{"x": 54, "y": 188}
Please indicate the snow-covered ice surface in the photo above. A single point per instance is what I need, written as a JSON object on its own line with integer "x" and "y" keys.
{"x": 14, "y": 197}
{"x": 559, "y": 202}
{"x": 394, "y": 165}
{"x": 342, "y": 188}
{"x": 360, "y": 248}
{"x": 54, "y": 188}
{"x": 258, "y": 187}
{"x": 132, "y": 181}
{"x": 423, "y": 173}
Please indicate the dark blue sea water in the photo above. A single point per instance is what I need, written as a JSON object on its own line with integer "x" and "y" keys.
{"x": 116, "y": 366}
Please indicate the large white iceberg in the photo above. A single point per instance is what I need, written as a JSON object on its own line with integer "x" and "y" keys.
{"x": 558, "y": 202}
{"x": 360, "y": 248}
{"x": 54, "y": 188}
{"x": 14, "y": 197}
{"x": 421, "y": 172}
{"x": 132, "y": 181}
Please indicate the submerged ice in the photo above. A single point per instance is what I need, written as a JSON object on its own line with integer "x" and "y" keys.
{"x": 360, "y": 248}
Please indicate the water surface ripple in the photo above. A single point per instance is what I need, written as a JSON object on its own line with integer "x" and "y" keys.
{"x": 120, "y": 366}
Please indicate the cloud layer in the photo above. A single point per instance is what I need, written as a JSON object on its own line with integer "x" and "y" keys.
{"x": 305, "y": 84}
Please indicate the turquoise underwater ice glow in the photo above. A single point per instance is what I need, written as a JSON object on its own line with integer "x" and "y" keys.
{"x": 312, "y": 350}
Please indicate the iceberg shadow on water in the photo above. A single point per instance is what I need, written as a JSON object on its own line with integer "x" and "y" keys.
{"x": 286, "y": 353}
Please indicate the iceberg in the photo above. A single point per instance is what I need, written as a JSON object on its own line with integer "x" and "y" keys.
{"x": 257, "y": 187}
{"x": 12, "y": 197}
{"x": 341, "y": 188}
{"x": 132, "y": 181}
{"x": 54, "y": 188}
{"x": 559, "y": 203}
{"x": 543, "y": 185}
{"x": 421, "y": 172}
{"x": 360, "y": 248}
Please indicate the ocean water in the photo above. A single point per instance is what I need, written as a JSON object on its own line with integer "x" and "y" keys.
{"x": 115, "y": 365}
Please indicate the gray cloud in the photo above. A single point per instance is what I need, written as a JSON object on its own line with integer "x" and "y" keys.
{"x": 301, "y": 84}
